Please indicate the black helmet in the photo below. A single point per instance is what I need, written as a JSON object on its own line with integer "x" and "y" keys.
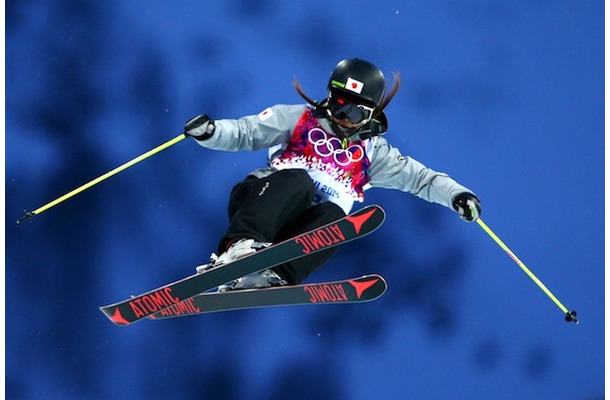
{"x": 357, "y": 80}
{"x": 356, "y": 92}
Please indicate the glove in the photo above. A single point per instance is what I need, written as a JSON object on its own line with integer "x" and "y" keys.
{"x": 467, "y": 206}
{"x": 201, "y": 127}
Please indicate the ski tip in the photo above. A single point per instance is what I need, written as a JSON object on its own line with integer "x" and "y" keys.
{"x": 371, "y": 276}
{"x": 367, "y": 219}
{"x": 376, "y": 208}
{"x": 369, "y": 287}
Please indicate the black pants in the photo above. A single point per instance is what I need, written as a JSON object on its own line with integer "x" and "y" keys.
{"x": 275, "y": 208}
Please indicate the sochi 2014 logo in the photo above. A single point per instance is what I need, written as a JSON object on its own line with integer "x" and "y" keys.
{"x": 325, "y": 147}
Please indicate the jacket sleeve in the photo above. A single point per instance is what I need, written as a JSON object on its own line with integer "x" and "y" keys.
{"x": 272, "y": 126}
{"x": 390, "y": 169}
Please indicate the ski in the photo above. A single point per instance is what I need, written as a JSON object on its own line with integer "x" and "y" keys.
{"x": 355, "y": 290}
{"x": 343, "y": 230}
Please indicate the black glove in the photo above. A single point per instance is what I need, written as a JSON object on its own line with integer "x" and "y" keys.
{"x": 201, "y": 127}
{"x": 467, "y": 206}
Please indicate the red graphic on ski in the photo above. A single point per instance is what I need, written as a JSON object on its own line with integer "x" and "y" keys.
{"x": 362, "y": 286}
{"x": 118, "y": 319}
{"x": 359, "y": 220}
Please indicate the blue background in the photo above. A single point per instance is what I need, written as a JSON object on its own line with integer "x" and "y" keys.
{"x": 505, "y": 96}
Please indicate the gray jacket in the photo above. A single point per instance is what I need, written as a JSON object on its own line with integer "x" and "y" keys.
{"x": 273, "y": 129}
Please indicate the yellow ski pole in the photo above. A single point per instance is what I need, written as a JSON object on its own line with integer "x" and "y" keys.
{"x": 29, "y": 215}
{"x": 569, "y": 315}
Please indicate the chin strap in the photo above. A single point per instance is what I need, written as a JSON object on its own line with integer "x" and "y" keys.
{"x": 341, "y": 131}
{"x": 373, "y": 128}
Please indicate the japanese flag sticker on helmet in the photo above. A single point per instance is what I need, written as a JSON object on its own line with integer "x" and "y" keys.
{"x": 354, "y": 85}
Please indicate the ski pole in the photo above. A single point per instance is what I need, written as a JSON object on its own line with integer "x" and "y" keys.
{"x": 29, "y": 215}
{"x": 569, "y": 315}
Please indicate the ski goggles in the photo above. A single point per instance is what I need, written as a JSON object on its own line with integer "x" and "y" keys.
{"x": 341, "y": 109}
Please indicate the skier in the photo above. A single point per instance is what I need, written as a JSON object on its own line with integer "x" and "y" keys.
{"x": 322, "y": 157}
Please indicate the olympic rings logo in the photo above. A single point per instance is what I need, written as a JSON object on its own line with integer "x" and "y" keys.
{"x": 326, "y": 147}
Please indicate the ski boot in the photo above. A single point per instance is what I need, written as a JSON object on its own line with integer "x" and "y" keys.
{"x": 239, "y": 249}
{"x": 257, "y": 280}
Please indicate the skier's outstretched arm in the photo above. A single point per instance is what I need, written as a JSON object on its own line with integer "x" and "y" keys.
{"x": 253, "y": 132}
{"x": 390, "y": 169}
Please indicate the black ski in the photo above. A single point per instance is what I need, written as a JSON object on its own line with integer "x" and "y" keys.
{"x": 355, "y": 290}
{"x": 343, "y": 230}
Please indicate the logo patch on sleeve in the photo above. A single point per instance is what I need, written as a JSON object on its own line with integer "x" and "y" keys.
{"x": 265, "y": 114}
{"x": 354, "y": 85}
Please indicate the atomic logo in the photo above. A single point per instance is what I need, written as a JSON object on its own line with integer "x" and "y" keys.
{"x": 359, "y": 220}
{"x": 118, "y": 319}
{"x": 362, "y": 286}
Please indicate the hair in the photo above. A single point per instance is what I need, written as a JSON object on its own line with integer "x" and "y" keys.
{"x": 378, "y": 110}
{"x": 388, "y": 97}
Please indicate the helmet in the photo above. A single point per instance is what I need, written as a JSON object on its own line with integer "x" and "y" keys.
{"x": 359, "y": 81}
